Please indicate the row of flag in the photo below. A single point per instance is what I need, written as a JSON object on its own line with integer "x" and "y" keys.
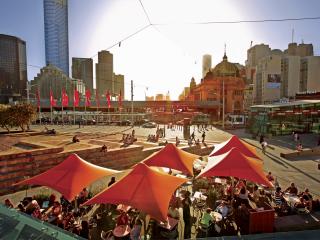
{"x": 76, "y": 99}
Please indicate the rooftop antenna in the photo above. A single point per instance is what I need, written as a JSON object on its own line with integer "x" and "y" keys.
{"x": 225, "y": 48}
{"x": 292, "y": 35}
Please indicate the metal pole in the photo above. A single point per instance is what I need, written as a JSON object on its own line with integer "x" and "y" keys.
{"x": 28, "y": 99}
{"x": 223, "y": 103}
{"x": 132, "y": 102}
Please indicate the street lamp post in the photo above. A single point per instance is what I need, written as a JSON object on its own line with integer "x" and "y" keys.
{"x": 223, "y": 103}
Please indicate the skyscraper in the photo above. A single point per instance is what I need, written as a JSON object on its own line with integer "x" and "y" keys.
{"x": 104, "y": 73}
{"x": 13, "y": 68}
{"x": 56, "y": 33}
{"x": 206, "y": 64}
{"x": 82, "y": 68}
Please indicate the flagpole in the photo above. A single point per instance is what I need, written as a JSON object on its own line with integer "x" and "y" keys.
{"x": 74, "y": 107}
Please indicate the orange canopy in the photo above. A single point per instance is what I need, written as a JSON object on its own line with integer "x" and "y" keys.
{"x": 172, "y": 157}
{"x": 143, "y": 188}
{"x": 234, "y": 141}
{"x": 70, "y": 176}
{"x": 234, "y": 163}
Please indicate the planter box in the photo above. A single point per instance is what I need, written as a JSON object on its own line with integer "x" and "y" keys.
{"x": 261, "y": 221}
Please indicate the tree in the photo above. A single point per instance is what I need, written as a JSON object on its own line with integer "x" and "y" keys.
{"x": 5, "y": 117}
{"x": 22, "y": 114}
{"x": 16, "y": 116}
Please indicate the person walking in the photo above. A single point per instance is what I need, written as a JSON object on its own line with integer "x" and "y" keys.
{"x": 264, "y": 145}
{"x": 203, "y": 136}
{"x": 193, "y": 136}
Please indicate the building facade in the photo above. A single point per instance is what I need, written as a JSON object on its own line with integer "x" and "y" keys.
{"x": 104, "y": 73}
{"x": 54, "y": 79}
{"x": 13, "y": 69}
{"x": 290, "y": 74}
{"x": 222, "y": 82}
{"x": 82, "y": 68}
{"x": 56, "y": 33}
{"x": 268, "y": 78}
{"x": 118, "y": 84}
{"x": 310, "y": 74}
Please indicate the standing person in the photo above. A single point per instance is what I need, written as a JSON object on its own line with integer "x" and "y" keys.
{"x": 193, "y": 136}
{"x": 186, "y": 203}
{"x": 261, "y": 139}
{"x": 203, "y": 136}
{"x": 264, "y": 145}
{"x": 112, "y": 181}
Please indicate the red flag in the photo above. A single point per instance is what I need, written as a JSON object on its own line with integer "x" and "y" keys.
{"x": 76, "y": 98}
{"x": 97, "y": 98}
{"x": 38, "y": 98}
{"x": 108, "y": 98}
{"x": 53, "y": 102}
{"x": 88, "y": 96}
{"x": 65, "y": 99}
{"x": 120, "y": 100}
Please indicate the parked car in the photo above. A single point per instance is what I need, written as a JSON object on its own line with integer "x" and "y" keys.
{"x": 125, "y": 123}
{"x": 141, "y": 122}
{"x": 149, "y": 125}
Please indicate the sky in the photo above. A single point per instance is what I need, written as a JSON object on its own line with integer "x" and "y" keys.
{"x": 164, "y": 57}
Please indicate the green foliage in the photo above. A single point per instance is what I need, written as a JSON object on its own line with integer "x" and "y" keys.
{"x": 200, "y": 183}
{"x": 16, "y": 116}
{"x": 213, "y": 196}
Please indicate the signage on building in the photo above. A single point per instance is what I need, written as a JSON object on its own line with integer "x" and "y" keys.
{"x": 274, "y": 81}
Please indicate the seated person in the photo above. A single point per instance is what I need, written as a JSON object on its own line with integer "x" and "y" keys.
{"x": 8, "y": 203}
{"x": 136, "y": 230}
{"x": 104, "y": 148}
{"x": 243, "y": 193}
{"x": 278, "y": 198}
{"x": 242, "y": 218}
{"x": 299, "y": 147}
{"x": 206, "y": 218}
{"x": 122, "y": 219}
{"x": 222, "y": 209}
{"x": 270, "y": 177}
{"x": 256, "y": 194}
{"x": 54, "y": 212}
{"x": 75, "y": 139}
{"x": 292, "y": 189}
{"x": 83, "y": 196}
{"x": 306, "y": 198}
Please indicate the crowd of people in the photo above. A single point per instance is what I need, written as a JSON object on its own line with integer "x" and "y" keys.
{"x": 128, "y": 139}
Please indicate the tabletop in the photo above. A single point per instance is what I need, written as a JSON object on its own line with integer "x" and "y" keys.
{"x": 170, "y": 224}
{"x": 121, "y": 230}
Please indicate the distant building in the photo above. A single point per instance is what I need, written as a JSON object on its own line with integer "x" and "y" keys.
{"x": 104, "y": 73}
{"x": 56, "y": 33}
{"x": 268, "y": 78}
{"x": 310, "y": 74}
{"x": 290, "y": 75}
{"x": 82, "y": 68}
{"x": 206, "y": 64}
{"x": 159, "y": 97}
{"x": 13, "y": 69}
{"x": 149, "y": 98}
{"x": 118, "y": 84}
{"x": 51, "y": 77}
{"x": 225, "y": 75}
{"x": 301, "y": 50}
{"x": 248, "y": 97}
{"x": 184, "y": 94}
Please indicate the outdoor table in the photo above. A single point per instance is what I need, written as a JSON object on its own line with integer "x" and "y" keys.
{"x": 216, "y": 216}
{"x": 199, "y": 196}
{"x": 123, "y": 207}
{"x": 291, "y": 199}
{"x": 170, "y": 224}
{"x": 121, "y": 231}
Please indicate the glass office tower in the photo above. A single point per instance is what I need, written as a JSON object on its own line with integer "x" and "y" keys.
{"x": 56, "y": 33}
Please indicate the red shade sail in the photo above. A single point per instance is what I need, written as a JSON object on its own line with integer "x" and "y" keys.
{"x": 235, "y": 164}
{"x": 143, "y": 188}
{"x": 234, "y": 141}
{"x": 70, "y": 176}
{"x": 172, "y": 157}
